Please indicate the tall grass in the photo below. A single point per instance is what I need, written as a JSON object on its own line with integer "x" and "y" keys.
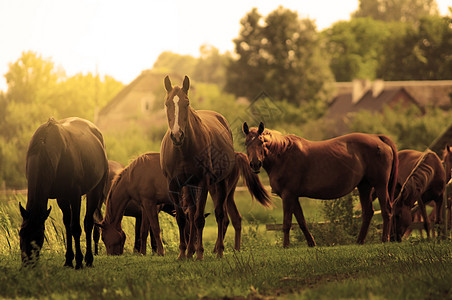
{"x": 416, "y": 268}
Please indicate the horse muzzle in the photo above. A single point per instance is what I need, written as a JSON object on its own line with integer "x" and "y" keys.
{"x": 177, "y": 138}
{"x": 256, "y": 166}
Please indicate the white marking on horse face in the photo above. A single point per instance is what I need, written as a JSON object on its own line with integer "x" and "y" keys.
{"x": 176, "y": 114}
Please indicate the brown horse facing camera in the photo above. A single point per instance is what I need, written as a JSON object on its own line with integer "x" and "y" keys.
{"x": 425, "y": 181}
{"x": 65, "y": 160}
{"x": 327, "y": 169}
{"x": 142, "y": 184}
{"x": 197, "y": 152}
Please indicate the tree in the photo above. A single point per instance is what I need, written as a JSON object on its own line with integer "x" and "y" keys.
{"x": 211, "y": 66}
{"x": 172, "y": 62}
{"x": 355, "y": 47}
{"x": 409, "y": 11}
{"x": 36, "y": 91}
{"x": 281, "y": 55}
{"x": 418, "y": 53}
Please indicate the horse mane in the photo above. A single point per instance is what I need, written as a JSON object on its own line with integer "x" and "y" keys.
{"x": 127, "y": 171}
{"x": 276, "y": 142}
{"x": 418, "y": 177}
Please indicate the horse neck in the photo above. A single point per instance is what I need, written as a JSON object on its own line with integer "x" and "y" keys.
{"x": 117, "y": 201}
{"x": 195, "y": 130}
{"x": 277, "y": 151}
{"x": 418, "y": 181}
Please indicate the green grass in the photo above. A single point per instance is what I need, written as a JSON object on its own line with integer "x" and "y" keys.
{"x": 414, "y": 269}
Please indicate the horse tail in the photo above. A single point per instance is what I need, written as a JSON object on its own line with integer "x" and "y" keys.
{"x": 395, "y": 167}
{"x": 252, "y": 181}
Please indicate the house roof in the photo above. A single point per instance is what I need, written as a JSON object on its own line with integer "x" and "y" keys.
{"x": 425, "y": 92}
{"x": 148, "y": 80}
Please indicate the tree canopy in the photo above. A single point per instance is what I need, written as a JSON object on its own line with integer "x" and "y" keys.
{"x": 282, "y": 55}
{"x": 409, "y": 11}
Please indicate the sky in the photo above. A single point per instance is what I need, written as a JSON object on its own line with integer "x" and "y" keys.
{"x": 123, "y": 38}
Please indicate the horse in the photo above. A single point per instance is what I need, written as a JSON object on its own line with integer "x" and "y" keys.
{"x": 141, "y": 184}
{"x": 197, "y": 152}
{"x": 65, "y": 160}
{"x": 133, "y": 209}
{"x": 426, "y": 182}
{"x": 143, "y": 180}
{"x": 447, "y": 162}
{"x": 326, "y": 169}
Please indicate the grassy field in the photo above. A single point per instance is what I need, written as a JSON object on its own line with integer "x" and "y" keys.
{"x": 414, "y": 269}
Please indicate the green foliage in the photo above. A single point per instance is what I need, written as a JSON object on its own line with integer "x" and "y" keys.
{"x": 355, "y": 47}
{"x": 408, "y": 128}
{"x": 409, "y": 11}
{"x": 281, "y": 55}
{"x": 418, "y": 53}
{"x": 36, "y": 92}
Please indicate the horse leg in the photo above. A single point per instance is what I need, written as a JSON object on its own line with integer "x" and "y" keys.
{"x": 424, "y": 216}
{"x": 175, "y": 195}
{"x": 96, "y": 231}
{"x": 76, "y": 230}
{"x": 92, "y": 201}
{"x": 298, "y": 212}
{"x": 287, "y": 202}
{"x": 66, "y": 209}
{"x": 139, "y": 226}
{"x": 236, "y": 219}
{"x": 368, "y": 210}
{"x": 190, "y": 201}
{"x": 152, "y": 216}
{"x": 221, "y": 194}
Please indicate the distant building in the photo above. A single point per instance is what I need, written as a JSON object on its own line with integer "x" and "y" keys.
{"x": 140, "y": 103}
{"x": 359, "y": 95}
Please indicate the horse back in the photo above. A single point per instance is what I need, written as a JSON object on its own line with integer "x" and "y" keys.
{"x": 76, "y": 149}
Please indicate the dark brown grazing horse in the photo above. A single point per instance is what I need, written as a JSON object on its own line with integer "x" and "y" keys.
{"x": 426, "y": 182}
{"x": 447, "y": 162}
{"x": 197, "y": 152}
{"x": 407, "y": 162}
{"x": 65, "y": 160}
{"x": 327, "y": 169}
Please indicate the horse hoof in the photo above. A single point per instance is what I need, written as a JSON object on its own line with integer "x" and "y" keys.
{"x": 69, "y": 265}
{"x": 79, "y": 267}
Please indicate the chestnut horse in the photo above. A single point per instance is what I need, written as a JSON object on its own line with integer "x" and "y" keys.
{"x": 114, "y": 168}
{"x": 197, "y": 152}
{"x": 65, "y": 160}
{"x": 327, "y": 169}
{"x": 143, "y": 180}
{"x": 426, "y": 182}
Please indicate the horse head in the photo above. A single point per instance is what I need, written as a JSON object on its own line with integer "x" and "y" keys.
{"x": 113, "y": 239}
{"x": 401, "y": 217}
{"x": 177, "y": 106}
{"x": 255, "y": 146}
{"x": 31, "y": 234}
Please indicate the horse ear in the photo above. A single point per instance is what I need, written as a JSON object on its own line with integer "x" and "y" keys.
{"x": 448, "y": 148}
{"x": 168, "y": 85}
{"x": 261, "y": 128}
{"x": 23, "y": 212}
{"x": 186, "y": 85}
{"x": 245, "y": 128}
